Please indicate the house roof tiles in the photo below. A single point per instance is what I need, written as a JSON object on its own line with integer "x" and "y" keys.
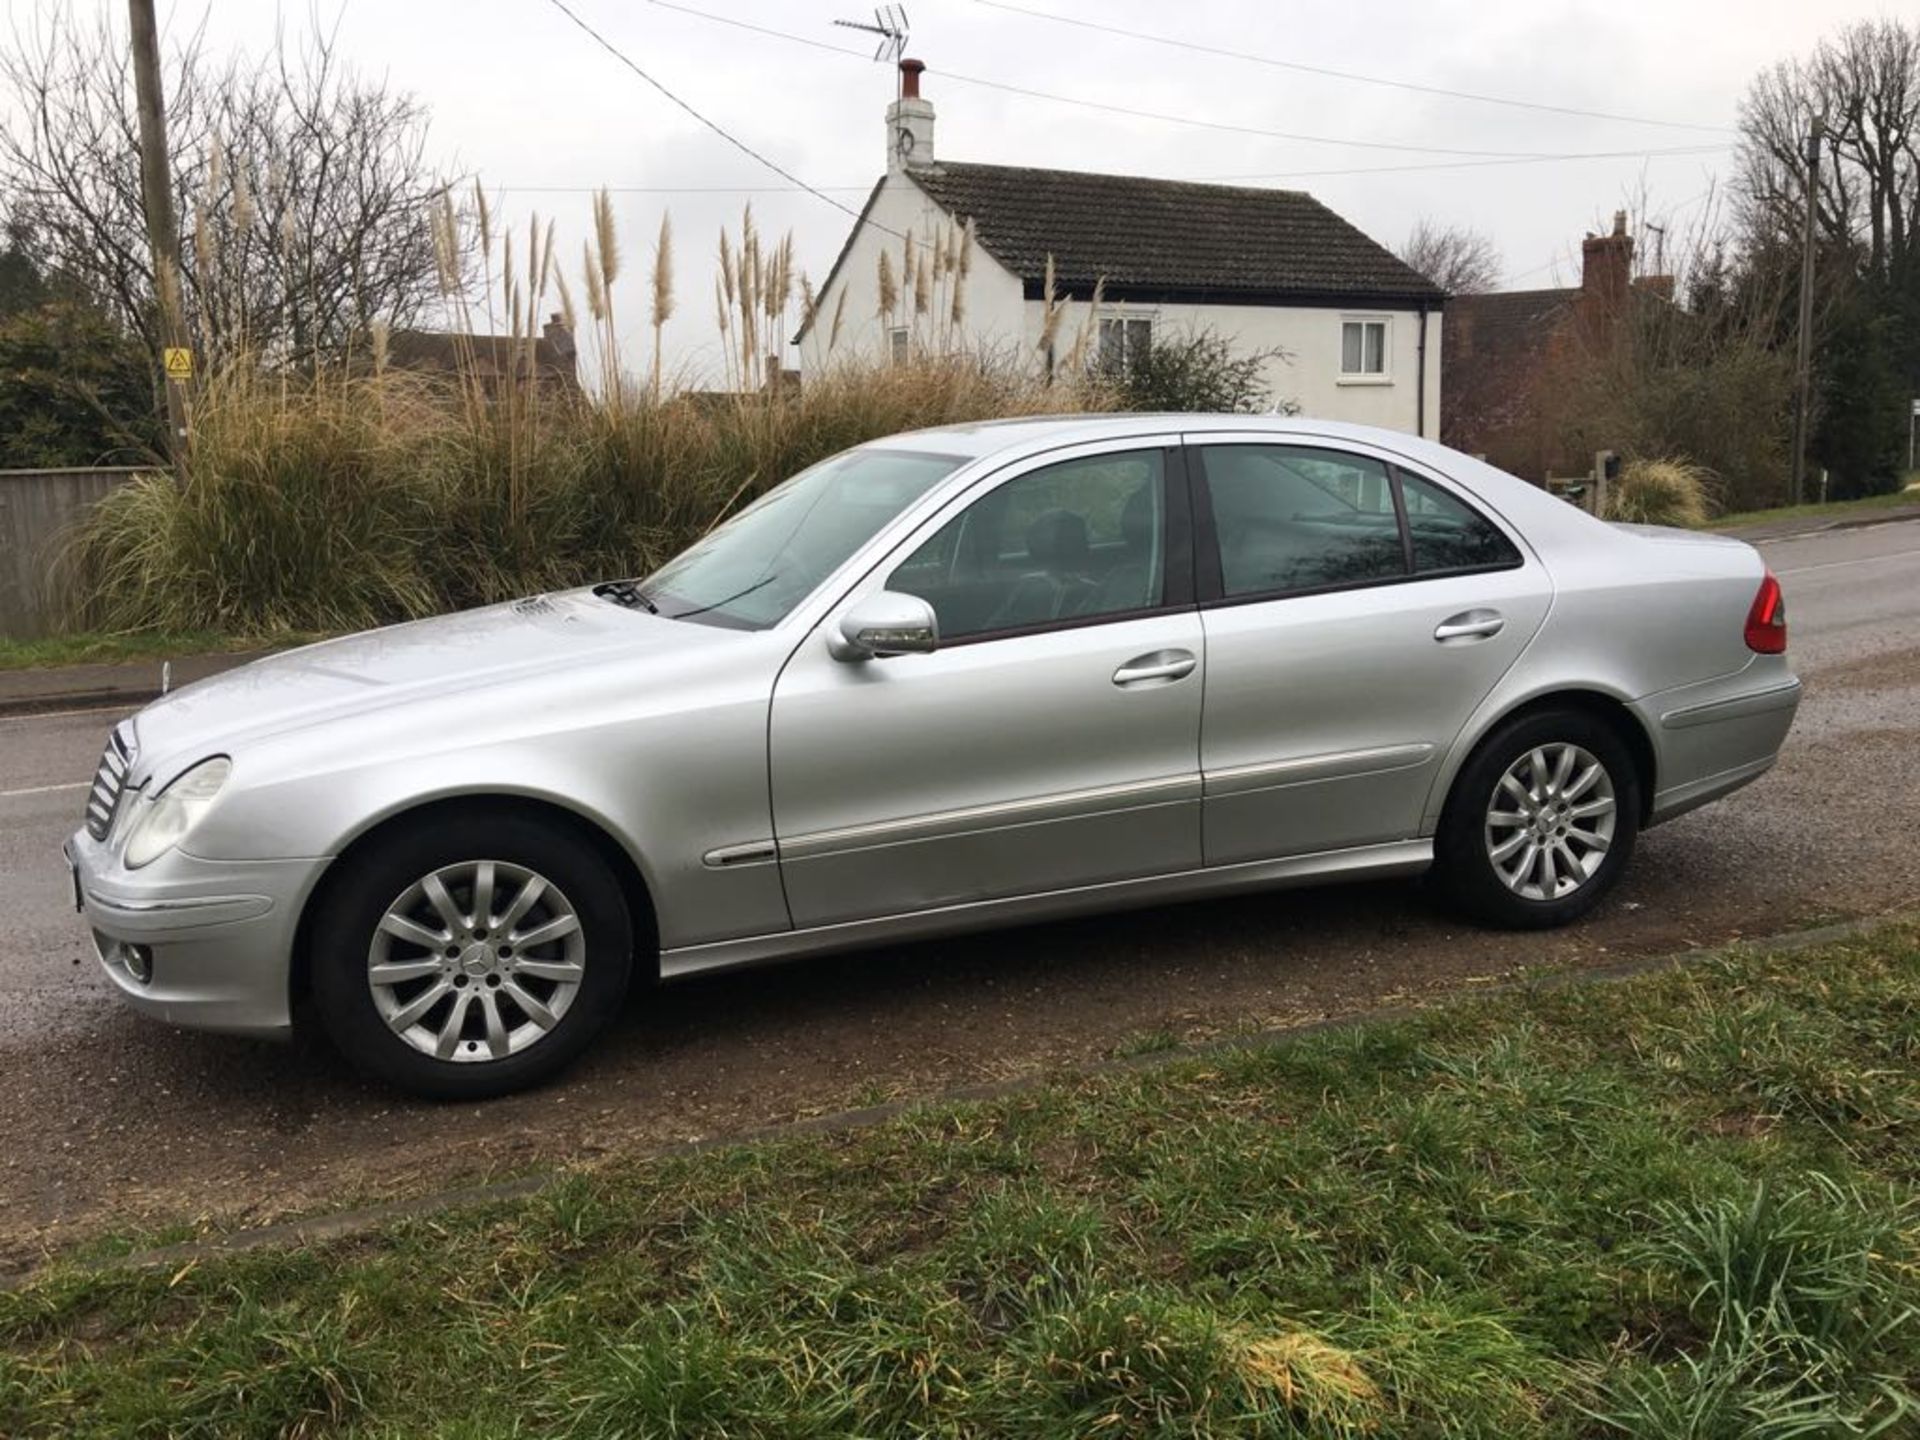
{"x": 1170, "y": 238}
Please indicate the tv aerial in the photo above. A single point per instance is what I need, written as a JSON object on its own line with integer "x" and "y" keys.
{"x": 890, "y": 24}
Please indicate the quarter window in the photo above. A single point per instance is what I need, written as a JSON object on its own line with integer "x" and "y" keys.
{"x": 1447, "y": 534}
{"x": 1068, "y": 542}
{"x": 1289, "y": 518}
{"x": 1363, "y": 347}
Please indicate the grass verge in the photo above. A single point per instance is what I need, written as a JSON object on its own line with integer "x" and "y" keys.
{"x": 94, "y": 647}
{"x": 1837, "y": 510}
{"x": 1679, "y": 1205}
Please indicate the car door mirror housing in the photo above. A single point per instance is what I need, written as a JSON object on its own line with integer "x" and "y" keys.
{"x": 885, "y": 623}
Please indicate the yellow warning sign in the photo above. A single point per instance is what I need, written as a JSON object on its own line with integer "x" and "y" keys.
{"x": 179, "y": 362}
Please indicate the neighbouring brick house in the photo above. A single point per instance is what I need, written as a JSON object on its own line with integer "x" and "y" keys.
{"x": 1503, "y": 355}
{"x": 492, "y": 359}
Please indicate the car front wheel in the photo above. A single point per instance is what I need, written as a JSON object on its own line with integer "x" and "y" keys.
{"x": 470, "y": 957}
{"x": 1540, "y": 823}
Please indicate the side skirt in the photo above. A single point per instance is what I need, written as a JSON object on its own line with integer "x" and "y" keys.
{"x": 1364, "y": 862}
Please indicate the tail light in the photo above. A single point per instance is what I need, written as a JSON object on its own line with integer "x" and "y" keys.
{"x": 1767, "y": 619}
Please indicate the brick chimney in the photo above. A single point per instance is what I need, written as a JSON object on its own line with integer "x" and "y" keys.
{"x": 559, "y": 335}
{"x": 1606, "y": 266}
{"x": 909, "y": 122}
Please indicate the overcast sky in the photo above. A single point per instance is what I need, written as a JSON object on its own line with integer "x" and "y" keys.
{"x": 524, "y": 99}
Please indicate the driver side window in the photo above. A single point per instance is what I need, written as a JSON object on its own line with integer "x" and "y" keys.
{"x": 1065, "y": 543}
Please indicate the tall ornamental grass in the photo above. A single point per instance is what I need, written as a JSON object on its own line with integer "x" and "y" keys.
{"x": 1663, "y": 492}
{"x": 364, "y": 495}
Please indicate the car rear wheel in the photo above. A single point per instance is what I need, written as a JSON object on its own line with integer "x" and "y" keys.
{"x": 470, "y": 957}
{"x": 1541, "y": 821}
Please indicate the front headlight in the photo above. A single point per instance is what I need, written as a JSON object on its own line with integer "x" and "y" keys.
{"x": 170, "y": 816}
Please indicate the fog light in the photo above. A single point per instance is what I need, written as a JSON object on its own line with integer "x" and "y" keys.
{"x": 139, "y": 962}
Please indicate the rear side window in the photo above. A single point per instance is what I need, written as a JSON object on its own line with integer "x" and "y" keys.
{"x": 1290, "y": 519}
{"x": 1448, "y": 535}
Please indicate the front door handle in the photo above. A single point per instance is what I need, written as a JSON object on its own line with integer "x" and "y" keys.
{"x": 1470, "y": 625}
{"x": 1160, "y": 665}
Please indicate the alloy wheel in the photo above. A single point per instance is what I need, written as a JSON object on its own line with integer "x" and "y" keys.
{"x": 1551, "y": 821}
{"x": 476, "y": 961}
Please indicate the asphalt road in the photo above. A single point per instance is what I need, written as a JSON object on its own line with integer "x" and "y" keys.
{"x": 107, "y": 1120}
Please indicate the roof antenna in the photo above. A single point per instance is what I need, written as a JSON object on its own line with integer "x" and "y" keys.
{"x": 890, "y": 24}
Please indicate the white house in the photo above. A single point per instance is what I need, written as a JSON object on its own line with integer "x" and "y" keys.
{"x": 1270, "y": 270}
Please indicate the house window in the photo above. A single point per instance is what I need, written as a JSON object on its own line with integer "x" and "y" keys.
{"x": 1363, "y": 348}
{"x": 899, "y": 343}
{"x": 1124, "y": 340}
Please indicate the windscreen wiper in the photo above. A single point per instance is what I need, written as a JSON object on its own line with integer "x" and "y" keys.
{"x": 627, "y": 593}
{"x": 726, "y": 600}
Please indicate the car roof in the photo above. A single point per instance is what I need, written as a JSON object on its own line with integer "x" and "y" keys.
{"x": 980, "y": 439}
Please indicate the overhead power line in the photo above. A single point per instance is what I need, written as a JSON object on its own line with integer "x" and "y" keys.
{"x": 1677, "y": 152}
{"x": 1198, "y": 121}
{"x": 713, "y": 125}
{"x": 1327, "y": 71}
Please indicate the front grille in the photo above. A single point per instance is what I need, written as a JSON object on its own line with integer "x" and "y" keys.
{"x": 108, "y": 781}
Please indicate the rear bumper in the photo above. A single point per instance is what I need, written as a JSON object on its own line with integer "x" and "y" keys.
{"x": 219, "y": 934}
{"x": 1711, "y": 739}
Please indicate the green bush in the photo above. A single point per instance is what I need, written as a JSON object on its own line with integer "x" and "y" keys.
{"x": 78, "y": 390}
{"x": 1196, "y": 371}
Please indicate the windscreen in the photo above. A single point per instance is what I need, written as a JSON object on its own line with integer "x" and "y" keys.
{"x": 755, "y": 568}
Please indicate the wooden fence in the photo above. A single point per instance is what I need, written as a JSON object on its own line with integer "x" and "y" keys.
{"x": 37, "y": 509}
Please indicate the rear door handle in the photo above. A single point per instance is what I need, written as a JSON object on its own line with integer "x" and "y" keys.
{"x": 1470, "y": 625}
{"x": 1160, "y": 665}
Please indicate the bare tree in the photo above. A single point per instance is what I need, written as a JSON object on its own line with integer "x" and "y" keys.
{"x": 1457, "y": 258}
{"x": 1865, "y": 82}
{"x": 304, "y": 192}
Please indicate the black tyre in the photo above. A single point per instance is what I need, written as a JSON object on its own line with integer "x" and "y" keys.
{"x": 475, "y": 954}
{"x": 1540, "y": 823}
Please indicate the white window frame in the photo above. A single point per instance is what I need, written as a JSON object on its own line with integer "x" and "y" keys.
{"x": 1382, "y": 376}
{"x": 899, "y": 344}
{"x": 1123, "y": 317}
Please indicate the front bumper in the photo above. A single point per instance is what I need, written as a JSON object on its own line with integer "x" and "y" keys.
{"x": 220, "y": 934}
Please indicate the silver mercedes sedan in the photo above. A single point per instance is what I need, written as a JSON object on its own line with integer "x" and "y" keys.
{"x": 955, "y": 679}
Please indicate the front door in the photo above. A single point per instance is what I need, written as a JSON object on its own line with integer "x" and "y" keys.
{"x": 1356, "y": 616}
{"x": 1051, "y": 741}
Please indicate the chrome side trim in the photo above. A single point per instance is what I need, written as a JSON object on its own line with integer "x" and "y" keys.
{"x": 130, "y": 919}
{"x": 1339, "y": 765}
{"x": 1401, "y": 857}
{"x": 1733, "y": 707}
{"x": 1067, "y": 805}
{"x": 732, "y": 857}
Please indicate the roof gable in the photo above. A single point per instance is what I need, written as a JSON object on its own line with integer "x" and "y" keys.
{"x": 840, "y": 260}
{"x": 1170, "y": 239}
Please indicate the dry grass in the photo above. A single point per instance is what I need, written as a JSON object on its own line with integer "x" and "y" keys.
{"x": 346, "y": 501}
{"x": 356, "y": 497}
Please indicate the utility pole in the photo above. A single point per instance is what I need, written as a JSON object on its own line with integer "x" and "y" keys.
{"x": 1803, "y": 360}
{"x": 163, "y": 236}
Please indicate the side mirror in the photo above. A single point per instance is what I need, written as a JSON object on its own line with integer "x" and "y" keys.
{"x": 885, "y": 623}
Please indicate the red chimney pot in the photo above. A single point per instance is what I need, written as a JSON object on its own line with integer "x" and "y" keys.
{"x": 910, "y": 78}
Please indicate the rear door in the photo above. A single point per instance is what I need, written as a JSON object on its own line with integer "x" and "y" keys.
{"x": 1356, "y": 614}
